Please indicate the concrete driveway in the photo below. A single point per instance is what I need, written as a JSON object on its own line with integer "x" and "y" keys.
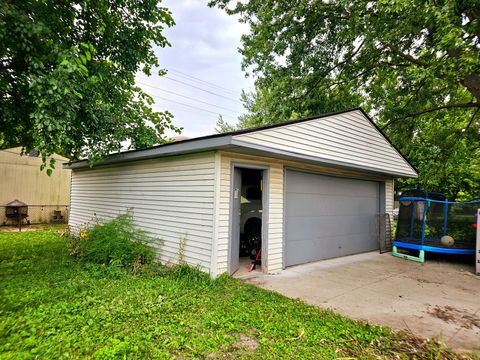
{"x": 431, "y": 300}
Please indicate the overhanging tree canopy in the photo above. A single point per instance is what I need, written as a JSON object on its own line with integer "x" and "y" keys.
{"x": 67, "y": 75}
{"x": 414, "y": 64}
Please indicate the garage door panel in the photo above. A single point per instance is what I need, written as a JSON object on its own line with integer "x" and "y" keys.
{"x": 306, "y": 204}
{"x": 300, "y": 182}
{"x": 308, "y": 250}
{"x": 357, "y": 244}
{"x": 311, "y": 227}
{"x": 328, "y": 217}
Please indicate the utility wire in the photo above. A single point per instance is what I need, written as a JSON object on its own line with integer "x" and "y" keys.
{"x": 193, "y": 112}
{"x": 193, "y": 78}
{"x": 187, "y": 105}
{"x": 201, "y": 89}
{"x": 188, "y": 97}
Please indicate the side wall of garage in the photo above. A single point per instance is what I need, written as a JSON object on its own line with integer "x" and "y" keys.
{"x": 275, "y": 241}
{"x": 172, "y": 198}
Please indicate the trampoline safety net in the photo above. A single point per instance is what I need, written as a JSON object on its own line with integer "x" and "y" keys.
{"x": 429, "y": 222}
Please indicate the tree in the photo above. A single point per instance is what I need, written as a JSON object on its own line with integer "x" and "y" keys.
{"x": 445, "y": 154}
{"x": 223, "y": 126}
{"x": 67, "y": 75}
{"x": 414, "y": 64}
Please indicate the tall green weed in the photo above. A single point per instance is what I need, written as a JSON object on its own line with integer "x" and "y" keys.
{"x": 117, "y": 242}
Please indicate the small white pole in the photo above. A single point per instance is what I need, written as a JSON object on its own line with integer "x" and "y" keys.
{"x": 477, "y": 252}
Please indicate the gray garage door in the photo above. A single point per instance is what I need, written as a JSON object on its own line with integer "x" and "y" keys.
{"x": 328, "y": 217}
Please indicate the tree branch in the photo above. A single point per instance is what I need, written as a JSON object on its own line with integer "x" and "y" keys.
{"x": 443, "y": 107}
{"x": 472, "y": 118}
{"x": 388, "y": 63}
{"x": 472, "y": 83}
{"x": 330, "y": 70}
{"x": 415, "y": 94}
{"x": 407, "y": 57}
{"x": 352, "y": 77}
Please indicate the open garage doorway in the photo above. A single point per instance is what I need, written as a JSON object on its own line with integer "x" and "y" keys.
{"x": 248, "y": 220}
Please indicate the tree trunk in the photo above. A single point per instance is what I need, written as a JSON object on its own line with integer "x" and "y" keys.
{"x": 472, "y": 83}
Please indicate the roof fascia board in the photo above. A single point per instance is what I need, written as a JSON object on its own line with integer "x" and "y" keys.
{"x": 179, "y": 148}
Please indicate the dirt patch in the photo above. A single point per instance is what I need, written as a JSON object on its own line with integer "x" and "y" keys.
{"x": 243, "y": 346}
{"x": 450, "y": 314}
{"x": 246, "y": 342}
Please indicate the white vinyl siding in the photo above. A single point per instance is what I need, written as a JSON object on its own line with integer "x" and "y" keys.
{"x": 389, "y": 201}
{"x": 389, "y": 195}
{"x": 347, "y": 139}
{"x": 273, "y": 252}
{"x": 172, "y": 198}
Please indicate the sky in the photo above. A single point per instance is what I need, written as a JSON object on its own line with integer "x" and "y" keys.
{"x": 204, "y": 76}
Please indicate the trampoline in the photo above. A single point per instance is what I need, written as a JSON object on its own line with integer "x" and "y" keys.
{"x": 428, "y": 222}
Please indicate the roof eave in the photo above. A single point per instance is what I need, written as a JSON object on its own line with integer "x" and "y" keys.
{"x": 171, "y": 149}
{"x": 227, "y": 142}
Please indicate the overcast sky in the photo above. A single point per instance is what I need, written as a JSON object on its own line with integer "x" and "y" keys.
{"x": 204, "y": 68}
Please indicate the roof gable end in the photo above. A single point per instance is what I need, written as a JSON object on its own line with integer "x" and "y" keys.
{"x": 348, "y": 139}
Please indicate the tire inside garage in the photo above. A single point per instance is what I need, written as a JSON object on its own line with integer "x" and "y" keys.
{"x": 328, "y": 217}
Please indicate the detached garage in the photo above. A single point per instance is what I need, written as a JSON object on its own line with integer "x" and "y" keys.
{"x": 300, "y": 191}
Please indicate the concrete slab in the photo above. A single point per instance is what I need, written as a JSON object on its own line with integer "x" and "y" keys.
{"x": 244, "y": 265}
{"x": 432, "y": 300}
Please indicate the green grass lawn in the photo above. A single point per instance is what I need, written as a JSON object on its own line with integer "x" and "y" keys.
{"x": 54, "y": 307}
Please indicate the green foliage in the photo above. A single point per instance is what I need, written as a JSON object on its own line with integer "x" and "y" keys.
{"x": 54, "y": 307}
{"x": 223, "y": 126}
{"x": 414, "y": 64}
{"x": 67, "y": 76}
{"x": 445, "y": 154}
{"x": 117, "y": 243}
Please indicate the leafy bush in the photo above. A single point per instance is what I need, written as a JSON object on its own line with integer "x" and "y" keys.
{"x": 117, "y": 242}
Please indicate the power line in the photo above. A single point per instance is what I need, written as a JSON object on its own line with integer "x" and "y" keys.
{"x": 190, "y": 98}
{"x": 193, "y": 78}
{"x": 194, "y": 112}
{"x": 196, "y": 79}
{"x": 201, "y": 89}
{"x": 187, "y": 105}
